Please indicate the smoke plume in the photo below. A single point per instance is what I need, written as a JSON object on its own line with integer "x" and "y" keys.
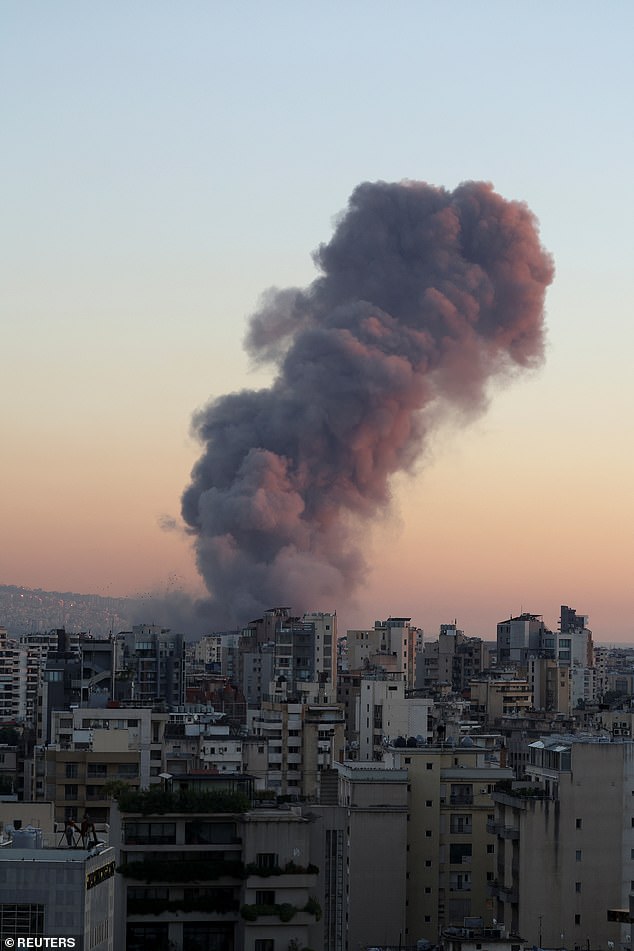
{"x": 424, "y": 296}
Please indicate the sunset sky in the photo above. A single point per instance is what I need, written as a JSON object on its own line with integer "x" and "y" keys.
{"x": 163, "y": 164}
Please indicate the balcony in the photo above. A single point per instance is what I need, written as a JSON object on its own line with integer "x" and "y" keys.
{"x": 504, "y": 832}
{"x": 504, "y": 893}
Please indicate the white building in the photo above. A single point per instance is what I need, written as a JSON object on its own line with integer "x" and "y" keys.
{"x": 384, "y": 714}
{"x": 56, "y": 892}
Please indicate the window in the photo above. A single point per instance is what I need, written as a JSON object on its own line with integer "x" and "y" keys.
{"x": 578, "y": 855}
{"x": 429, "y": 802}
{"x": 264, "y": 944}
{"x": 490, "y": 849}
{"x": 21, "y": 920}
{"x": 460, "y": 823}
{"x": 265, "y": 897}
{"x": 578, "y": 823}
{"x": 577, "y": 919}
{"x": 460, "y": 853}
{"x": 72, "y": 770}
{"x": 428, "y": 833}
{"x": 150, "y": 833}
{"x": 577, "y": 887}
{"x": 429, "y": 765}
{"x": 97, "y": 769}
{"x": 461, "y": 794}
{"x": 460, "y": 881}
{"x": 266, "y": 860}
{"x": 427, "y": 863}
{"x": 139, "y": 937}
{"x": 70, "y": 791}
{"x": 203, "y": 832}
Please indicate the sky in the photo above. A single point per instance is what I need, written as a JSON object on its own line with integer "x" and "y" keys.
{"x": 164, "y": 164}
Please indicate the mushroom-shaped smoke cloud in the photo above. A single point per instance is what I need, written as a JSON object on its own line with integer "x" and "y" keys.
{"x": 424, "y": 296}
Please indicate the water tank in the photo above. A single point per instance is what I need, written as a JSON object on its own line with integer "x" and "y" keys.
{"x": 24, "y": 838}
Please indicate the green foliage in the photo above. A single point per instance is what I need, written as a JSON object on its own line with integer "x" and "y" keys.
{"x": 196, "y": 870}
{"x": 221, "y": 904}
{"x": 158, "y": 801}
{"x": 285, "y": 912}
{"x": 115, "y": 788}
{"x": 289, "y": 869}
{"x": 9, "y": 735}
{"x": 313, "y": 908}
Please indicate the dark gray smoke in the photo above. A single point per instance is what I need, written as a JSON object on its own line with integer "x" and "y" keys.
{"x": 425, "y": 295}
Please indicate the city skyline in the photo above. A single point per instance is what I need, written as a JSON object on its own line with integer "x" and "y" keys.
{"x": 167, "y": 168}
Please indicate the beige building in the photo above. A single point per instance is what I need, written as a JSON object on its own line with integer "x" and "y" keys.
{"x": 94, "y": 747}
{"x": 227, "y": 876}
{"x": 301, "y": 740}
{"x": 451, "y": 853}
{"x": 566, "y": 843}
{"x": 366, "y": 860}
{"x": 393, "y": 644}
{"x": 550, "y": 684}
{"x": 492, "y": 698}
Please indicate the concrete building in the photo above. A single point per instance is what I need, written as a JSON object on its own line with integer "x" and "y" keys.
{"x": 149, "y": 666}
{"x": 93, "y": 748}
{"x": 302, "y": 740}
{"x": 450, "y": 851}
{"x": 495, "y": 697}
{"x": 385, "y": 713}
{"x": 518, "y": 638}
{"x": 226, "y": 877}
{"x": 550, "y": 684}
{"x": 454, "y": 659}
{"x": 257, "y": 672}
{"x": 56, "y": 893}
{"x": 300, "y": 656}
{"x": 393, "y": 645}
{"x": 363, "y": 853}
{"x": 20, "y": 678}
{"x": 565, "y": 843}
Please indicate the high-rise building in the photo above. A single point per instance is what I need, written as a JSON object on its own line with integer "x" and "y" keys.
{"x": 451, "y": 852}
{"x": 393, "y": 645}
{"x": 149, "y": 665}
{"x": 565, "y": 843}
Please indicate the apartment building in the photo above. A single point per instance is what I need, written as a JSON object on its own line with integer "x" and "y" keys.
{"x": 450, "y": 850}
{"x": 201, "y": 869}
{"x": 495, "y": 697}
{"x": 93, "y": 748}
{"x": 385, "y": 713}
{"x": 149, "y": 666}
{"x": 361, "y": 846}
{"x": 565, "y": 843}
{"x": 302, "y": 740}
{"x": 394, "y": 645}
{"x": 452, "y": 660}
